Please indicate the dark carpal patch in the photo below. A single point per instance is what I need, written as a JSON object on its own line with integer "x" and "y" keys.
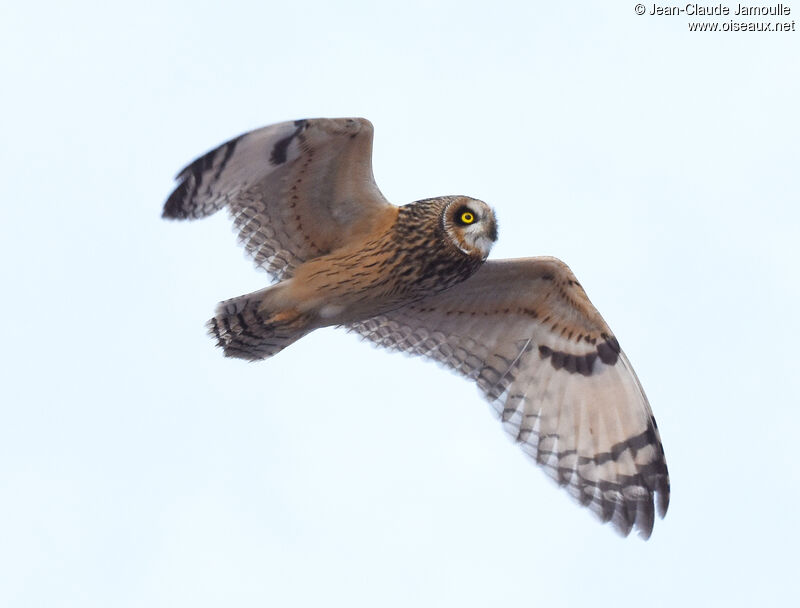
{"x": 608, "y": 352}
{"x": 583, "y": 364}
{"x": 281, "y": 147}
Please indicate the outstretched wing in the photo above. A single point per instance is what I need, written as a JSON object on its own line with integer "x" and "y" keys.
{"x": 526, "y": 333}
{"x": 296, "y": 190}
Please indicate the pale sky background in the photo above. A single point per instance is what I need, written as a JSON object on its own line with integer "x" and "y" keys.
{"x": 139, "y": 468}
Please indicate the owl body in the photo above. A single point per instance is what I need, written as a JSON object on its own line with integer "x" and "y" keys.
{"x": 425, "y": 250}
{"x": 413, "y": 258}
{"x": 415, "y": 279}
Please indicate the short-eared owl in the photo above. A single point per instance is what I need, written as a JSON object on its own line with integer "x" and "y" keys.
{"x": 415, "y": 279}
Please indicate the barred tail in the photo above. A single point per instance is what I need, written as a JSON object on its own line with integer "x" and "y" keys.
{"x": 246, "y": 328}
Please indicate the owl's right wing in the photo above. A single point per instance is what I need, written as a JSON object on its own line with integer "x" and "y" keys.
{"x": 296, "y": 190}
{"x": 542, "y": 355}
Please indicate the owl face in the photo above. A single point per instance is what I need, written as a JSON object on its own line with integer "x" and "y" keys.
{"x": 471, "y": 226}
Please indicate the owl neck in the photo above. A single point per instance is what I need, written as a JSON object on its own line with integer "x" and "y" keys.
{"x": 425, "y": 253}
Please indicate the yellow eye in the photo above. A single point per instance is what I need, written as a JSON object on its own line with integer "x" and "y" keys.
{"x": 467, "y": 217}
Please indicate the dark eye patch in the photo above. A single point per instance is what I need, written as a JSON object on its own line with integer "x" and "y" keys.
{"x": 460, "y": 214}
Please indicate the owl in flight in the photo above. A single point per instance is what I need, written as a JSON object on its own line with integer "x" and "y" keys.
{"x": 415, "y": 279}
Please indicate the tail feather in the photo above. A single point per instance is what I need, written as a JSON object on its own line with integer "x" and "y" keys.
{"x": 246, "y": 329}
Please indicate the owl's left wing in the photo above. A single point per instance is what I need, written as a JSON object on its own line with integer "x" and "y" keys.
{"x": 540, "y": 352}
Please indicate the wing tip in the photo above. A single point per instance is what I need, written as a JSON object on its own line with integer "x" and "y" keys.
{"x": 663, "y": 496}
{"x": 657, "y": 502}
{"x": 174, "y": 207}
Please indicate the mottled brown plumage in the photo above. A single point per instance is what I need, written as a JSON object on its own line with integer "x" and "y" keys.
{"x": 414, "y": 279}
{"x": 391, "y": 267}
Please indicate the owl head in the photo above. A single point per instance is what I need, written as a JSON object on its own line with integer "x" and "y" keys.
{"x": 470, "y": 224}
